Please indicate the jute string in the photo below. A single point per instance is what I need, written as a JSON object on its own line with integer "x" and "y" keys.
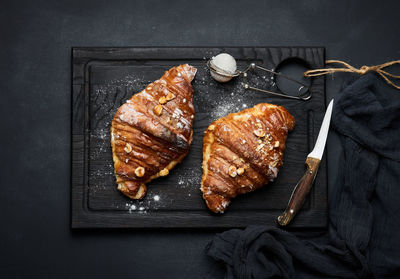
{"x": 363, "y": 70}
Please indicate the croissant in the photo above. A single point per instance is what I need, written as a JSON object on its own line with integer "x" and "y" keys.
{"x": 152, "y": 131}
{"x": 242, "y": 152}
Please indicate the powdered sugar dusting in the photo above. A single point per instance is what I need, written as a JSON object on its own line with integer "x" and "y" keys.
{"x": 190, "y": 178}
{"x": 224, "y": 98}
{"x": 149, "y": 203}
{"x": 180, "y": 188}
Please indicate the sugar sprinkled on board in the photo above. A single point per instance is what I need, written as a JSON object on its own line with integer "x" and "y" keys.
{"x": 131, "y": 207}
{"x": 189, "y": 178}
{"x": 211, "y": 101}
{"x": 222, "y": 110}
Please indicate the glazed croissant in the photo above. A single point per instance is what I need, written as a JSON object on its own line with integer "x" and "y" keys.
{"x": 152, "y": 131}
{"x": 242, "y": 152}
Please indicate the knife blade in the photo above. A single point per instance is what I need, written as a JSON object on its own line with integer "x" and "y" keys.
{"x": 313, "y": 161}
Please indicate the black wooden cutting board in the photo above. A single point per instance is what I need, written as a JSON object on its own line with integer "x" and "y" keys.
{"x": 104, "y": 78}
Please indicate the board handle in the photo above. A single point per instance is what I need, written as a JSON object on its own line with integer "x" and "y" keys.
{"x": 300, "y": 192}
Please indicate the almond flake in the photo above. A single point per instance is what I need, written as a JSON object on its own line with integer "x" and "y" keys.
{"x": 139, "y": 171}
{"x": 232, "y": 171}
{"x": 260, "y": 146}
{"x": 158, "y": 110}
{"x": 170, "y": 96}
{"x": 128, "y": 148}
{"x": 259, "y": 133}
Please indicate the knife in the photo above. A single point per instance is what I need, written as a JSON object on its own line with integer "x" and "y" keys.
{"x": 313, "y": 160}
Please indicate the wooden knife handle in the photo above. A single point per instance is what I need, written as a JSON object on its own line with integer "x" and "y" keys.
{"x": 300, "y": 192}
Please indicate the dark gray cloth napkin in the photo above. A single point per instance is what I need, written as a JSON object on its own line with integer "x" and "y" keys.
{"x": 363, "y": 240}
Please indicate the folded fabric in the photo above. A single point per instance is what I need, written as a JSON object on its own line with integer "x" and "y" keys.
{"x": 364, "y": 230}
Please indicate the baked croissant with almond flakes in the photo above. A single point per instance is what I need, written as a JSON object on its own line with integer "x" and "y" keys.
{"x": 242, "y": 152}
{"x": 152, "y": 131}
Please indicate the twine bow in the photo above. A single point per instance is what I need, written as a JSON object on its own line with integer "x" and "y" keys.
{"x": 363, "y": 70}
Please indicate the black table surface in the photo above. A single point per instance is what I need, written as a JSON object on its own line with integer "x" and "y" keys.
{"x": 35, "y": 70}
